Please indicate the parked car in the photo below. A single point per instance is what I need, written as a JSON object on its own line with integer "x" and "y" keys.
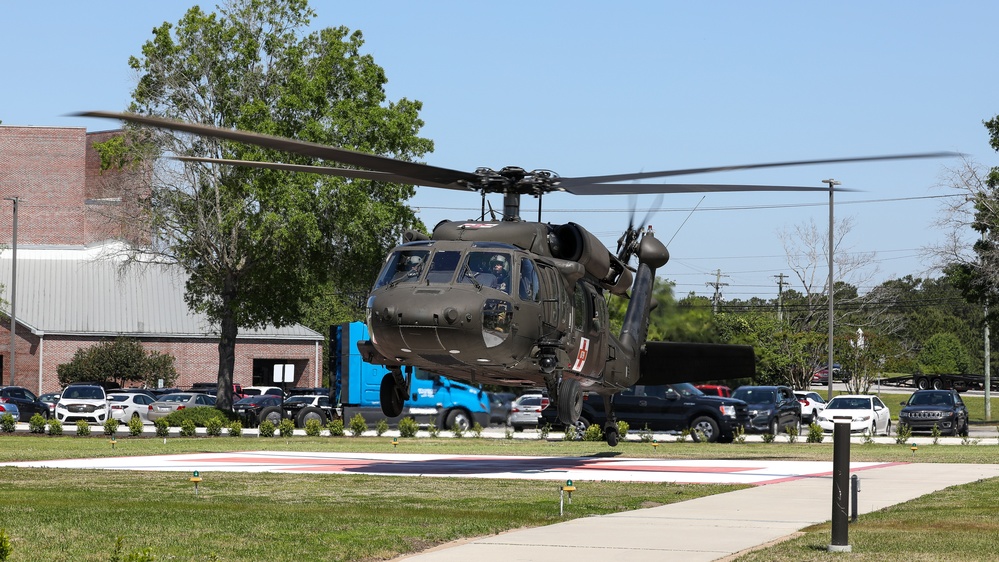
{"x": 867, "y": 414}
{"x": 251, "y": 409}
{"x": 213, "y": 387}
{"x": 166, "y": 405}
{"x": 305, "y": 407}
{"x": 771, "y": 408}
{"x": 145, "y": 391}
{"x": 941, "y": 408}
{"x": 308, "y": 390}
{"x": 715, "y": 390}
{"x": 812, "y": 405}
{"x": 128, "y": 405}
{"x": 87, "y": 402}
{"x": 525, "y": 411}
{"x": 27, "y": 403}
{"x": 50, "y": 399}
{"x": 10, "y": 408}
{"x": 500, "y": 407}
{"x": 675, "y": 408}
{"x": 821, "y": 374}
{"x": 255, "y": 390}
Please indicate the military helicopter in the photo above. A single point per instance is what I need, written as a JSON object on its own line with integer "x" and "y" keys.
{"x": 513, "y": 302}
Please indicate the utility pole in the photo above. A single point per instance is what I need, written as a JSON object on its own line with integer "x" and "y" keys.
{"x": 780, "y": 296}
{"x": 829, "y": 366}
{"x": 717, "y": 285}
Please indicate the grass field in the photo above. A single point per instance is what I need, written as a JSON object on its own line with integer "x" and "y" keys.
{"x": 81, "y": 515}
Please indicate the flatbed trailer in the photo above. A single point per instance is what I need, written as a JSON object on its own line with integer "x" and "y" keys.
{"x": 959, "y": 383}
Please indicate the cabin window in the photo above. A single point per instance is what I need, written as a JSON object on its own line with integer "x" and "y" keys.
{"x": 403, "y": 266}
{"x": 442, "y": 267}
{"x": 530, "y": 285}
{"x": 579, "y": 308}
{"x": 487, "y": 269}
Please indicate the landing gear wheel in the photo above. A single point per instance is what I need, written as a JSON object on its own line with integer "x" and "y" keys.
{"x": 570, "y": 401}
{"x": 310, "y": 413}
{"x": 610, "y": 432}
{"x": 392, "y": 395}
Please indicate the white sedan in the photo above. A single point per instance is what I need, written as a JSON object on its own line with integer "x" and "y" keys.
{"x": 812, "y": 405}
{"x": 128, "y": 405}
{"x": 866, "y": 414}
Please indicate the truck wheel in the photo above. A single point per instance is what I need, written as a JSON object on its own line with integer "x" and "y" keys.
{"x": 458, "y": 419}
{"x": 704, "y": 426}
{"x": 938, "y": 384}
{"x": 272, "y": 414}
{"x": 923, "y": 383}
{"x": 310, "y": 413}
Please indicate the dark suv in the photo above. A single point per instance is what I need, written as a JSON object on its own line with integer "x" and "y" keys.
{"x": 27, "y": 403}
{"x": 941, "y": 408}
{"x": 771, "y": 408}
{"x": 667, "y": 407}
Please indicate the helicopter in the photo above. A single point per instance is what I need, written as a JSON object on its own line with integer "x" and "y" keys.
{"x": 512, "y": 302}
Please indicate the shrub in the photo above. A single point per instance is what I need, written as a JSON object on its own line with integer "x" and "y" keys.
{"x": 313, "y": 427}
{"x": 199, "y": 415}
{"x": 769, "y": 437}
{"x": 266, "y": 428}
{"x": 815, "y": 433}
{"x": 111, "y": 426}
{"x": 135, "y": 426}
{"x": 82, "y": 428}
{"x": 508, "y": 433}
{"x": 235, "y": 428}
{"x": 571, "y": 433}
{"x": 683, "y": 435}
{"x": 902, "y": 434}
{"x": 6, "y": 547}
{"x": 286, "y": 428}
{"x": 433, "y": 429}
{"x": 381, "y": 427}
{"x": 593, "y": 433}
{"x": 645, "y": 435}
{"x": 357, "y": 425}
{"x": 213, "y": 427}
{"x": 187, "y": 428}
{"x": 622, "y": 430}
{"x": 935, "y": 432}
{"x": 335, "y": 427}
{"x": 36, "y": 424}
{"x": 543, "y": 431}
{"x": 55, "y": 427}
{"x": 739, "y": 435}
{"x": 162, "y": 427}
{"x": 408, "y": 427}
{"x": 477, "y": 430}
{"x": 791, "y": 432}
{"x": 7, "y": 423}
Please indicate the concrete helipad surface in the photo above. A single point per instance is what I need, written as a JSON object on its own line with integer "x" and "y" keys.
{"x": 578, "y": 469}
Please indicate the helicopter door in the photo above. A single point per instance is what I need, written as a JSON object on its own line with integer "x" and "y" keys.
{"x": 554, "y": 299}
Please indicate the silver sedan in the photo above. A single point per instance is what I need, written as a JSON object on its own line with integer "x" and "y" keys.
{"x": 170, "y": 403}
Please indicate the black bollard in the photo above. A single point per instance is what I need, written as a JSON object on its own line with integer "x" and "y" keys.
{"x": 841, "y": 487}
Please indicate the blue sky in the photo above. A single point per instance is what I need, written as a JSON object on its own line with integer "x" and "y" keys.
{"x": 586, "y": 88}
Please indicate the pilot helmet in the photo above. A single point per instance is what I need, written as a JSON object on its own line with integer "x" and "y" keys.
{"x": 414, "y": 261}
{"x": 500, "y": 260}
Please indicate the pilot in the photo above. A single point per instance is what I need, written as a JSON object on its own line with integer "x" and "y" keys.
{"x": 500, "y": 268}
{"x": 409, "y": 268}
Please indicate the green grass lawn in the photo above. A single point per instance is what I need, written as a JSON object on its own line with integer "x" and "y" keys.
{"x": 81, "y": 514}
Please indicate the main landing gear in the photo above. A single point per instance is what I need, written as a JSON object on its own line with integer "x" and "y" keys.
{"x": 394, "y": 391}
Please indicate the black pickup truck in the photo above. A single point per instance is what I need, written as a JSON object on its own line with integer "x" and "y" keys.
{"x": 669, "y": 407}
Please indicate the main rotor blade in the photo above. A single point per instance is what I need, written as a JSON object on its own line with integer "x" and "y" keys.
{"x": 571, "y": 182}
{"x": 417, "y": 174}
{"x": 323, "y": 170}
{"x": 650, "y": 188}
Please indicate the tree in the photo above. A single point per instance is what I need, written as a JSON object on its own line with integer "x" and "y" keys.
{"x": 258, "y": 244}
{"x": 119, "y": 361}
{"x": 943, "y": 354}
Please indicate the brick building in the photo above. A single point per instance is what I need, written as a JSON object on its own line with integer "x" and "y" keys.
{"x": 71, "y": 295}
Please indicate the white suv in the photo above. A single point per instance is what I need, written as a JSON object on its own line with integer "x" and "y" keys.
{"x": 83, "y": 402}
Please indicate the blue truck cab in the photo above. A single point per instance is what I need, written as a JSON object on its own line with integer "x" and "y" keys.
{"x": 432, "y": 398}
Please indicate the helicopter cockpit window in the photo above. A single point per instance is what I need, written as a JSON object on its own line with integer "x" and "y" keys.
{"x": 403, "y": 266}
{"x": 442, "y": 267}
{"x": 487, "y": 269}
{"x": 530, "y": 285}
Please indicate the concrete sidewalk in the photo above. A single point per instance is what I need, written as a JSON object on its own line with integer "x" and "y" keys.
{"x": 707, "y": 528}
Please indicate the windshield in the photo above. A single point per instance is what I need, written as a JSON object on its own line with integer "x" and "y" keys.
{"x": 755, "y": 395}
{"x": 932, "y": 399}
{"x": 297, "y": 399}
{"x": 176, "y": 398}
{"x": 840, "y": 403}
{"x": 403, "y": 266}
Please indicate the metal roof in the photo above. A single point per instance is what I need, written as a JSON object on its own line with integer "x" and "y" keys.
{"x": 95, "y": 297}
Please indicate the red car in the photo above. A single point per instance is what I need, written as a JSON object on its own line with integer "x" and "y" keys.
{"x": 715, "y": 390}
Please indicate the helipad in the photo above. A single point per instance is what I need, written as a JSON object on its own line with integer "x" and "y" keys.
{"x": 591, "y": 468}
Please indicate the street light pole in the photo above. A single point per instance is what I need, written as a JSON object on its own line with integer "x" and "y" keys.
{"x": 829, "y": 365}
{"x": 13, "y": 294}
